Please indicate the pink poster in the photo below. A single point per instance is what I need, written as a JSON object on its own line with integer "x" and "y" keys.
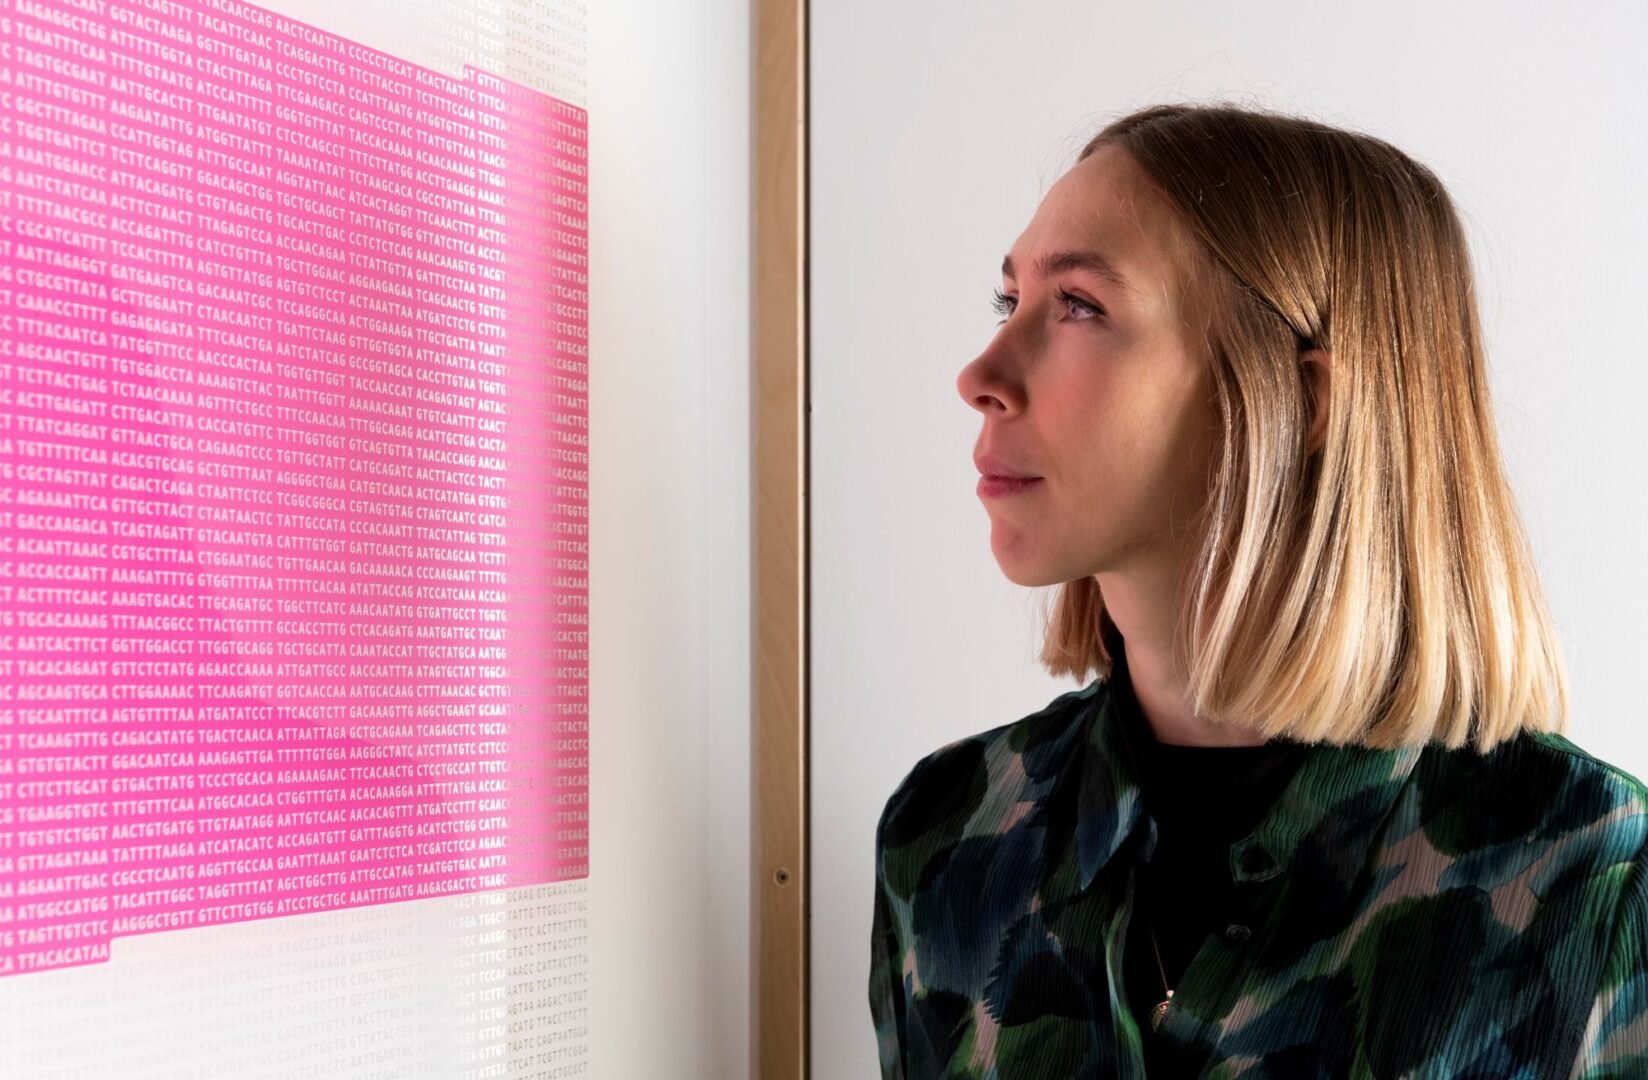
{"x": 293, "y": 476}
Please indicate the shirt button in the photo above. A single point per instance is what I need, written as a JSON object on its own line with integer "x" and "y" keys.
{"x": 1237, "y": 933}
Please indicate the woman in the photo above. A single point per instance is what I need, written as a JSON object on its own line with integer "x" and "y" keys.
{"x": 1316, "y": 816}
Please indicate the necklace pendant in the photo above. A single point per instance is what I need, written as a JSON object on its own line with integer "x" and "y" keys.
{"x": 1160, "y": 1011}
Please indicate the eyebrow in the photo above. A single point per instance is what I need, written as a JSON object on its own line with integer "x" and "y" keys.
{"x": 1058, "y": 261}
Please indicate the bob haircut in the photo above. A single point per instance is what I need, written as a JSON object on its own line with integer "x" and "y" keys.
{"x": 1379, "y": 592}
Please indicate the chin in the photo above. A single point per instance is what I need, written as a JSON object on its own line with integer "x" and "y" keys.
{"x": 1035, "y": 573}
{"x": 1032, "y": 566}
{"x": 1027, "y": 574}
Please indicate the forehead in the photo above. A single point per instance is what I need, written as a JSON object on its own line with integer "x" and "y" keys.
{"x": 1105, "y": 203}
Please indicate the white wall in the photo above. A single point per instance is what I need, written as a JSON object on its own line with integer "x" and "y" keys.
{"x": 669, "y": 493}
{"x": 936, "y": 129}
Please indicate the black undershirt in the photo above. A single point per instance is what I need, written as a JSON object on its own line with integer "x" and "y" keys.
{"x": 1203, "y": 798}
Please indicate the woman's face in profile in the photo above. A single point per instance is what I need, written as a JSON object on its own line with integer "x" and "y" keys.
{"x": 1097, "y": 386}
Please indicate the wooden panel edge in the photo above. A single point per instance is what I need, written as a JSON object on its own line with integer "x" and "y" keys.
{"x": 779, "y": 902}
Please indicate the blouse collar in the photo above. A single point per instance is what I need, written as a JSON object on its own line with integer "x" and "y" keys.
{"x": 1323, "y": 824}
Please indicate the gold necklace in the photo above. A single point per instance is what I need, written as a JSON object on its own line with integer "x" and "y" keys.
{"x": 1160, "y": 1010}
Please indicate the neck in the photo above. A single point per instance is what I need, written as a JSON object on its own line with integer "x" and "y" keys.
{"x": 1157, "y": 675}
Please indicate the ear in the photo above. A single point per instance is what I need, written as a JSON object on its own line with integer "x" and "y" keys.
{"x": 1317, "y": 365}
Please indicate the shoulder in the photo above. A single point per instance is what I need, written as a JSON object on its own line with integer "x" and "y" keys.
{"x": 1539, "y": 788}
{"x": 945, "y": 789}
{"x": 1591, "y": 875}
{"x": 1581, "y": 764}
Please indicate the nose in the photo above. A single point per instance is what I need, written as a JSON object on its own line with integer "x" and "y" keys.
{"x": 988, "y": 384}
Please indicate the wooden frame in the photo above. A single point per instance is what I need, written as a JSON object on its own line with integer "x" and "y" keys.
{"x": 779, "y": 901}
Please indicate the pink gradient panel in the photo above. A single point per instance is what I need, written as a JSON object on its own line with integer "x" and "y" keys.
{"x": 293, "y": 477}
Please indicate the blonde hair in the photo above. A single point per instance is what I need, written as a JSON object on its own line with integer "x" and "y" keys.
{"x": 1380, "y": 591}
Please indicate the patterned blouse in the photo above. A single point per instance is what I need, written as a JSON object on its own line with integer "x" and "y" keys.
{"x": 1427, "y": 913}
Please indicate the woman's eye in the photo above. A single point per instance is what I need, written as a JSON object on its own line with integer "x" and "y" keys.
{"x": 1004, "y": 304}
{"x": 1072, "y": 299}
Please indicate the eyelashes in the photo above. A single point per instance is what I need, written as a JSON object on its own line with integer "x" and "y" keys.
{"x": 1004, "y": 305}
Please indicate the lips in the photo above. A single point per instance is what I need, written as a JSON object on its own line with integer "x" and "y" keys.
{"x": 998, "y": 486}
{"x": 1000, "y": 477}
{"x": 992, "y": 467}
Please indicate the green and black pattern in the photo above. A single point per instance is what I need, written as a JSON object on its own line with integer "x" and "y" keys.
{"x": 1433, "y": 913}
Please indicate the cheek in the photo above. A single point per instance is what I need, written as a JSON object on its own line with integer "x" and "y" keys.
{"x": 1115, "y": 431}
{"x": 1137, "y": 446}
{"x": 1188, "y": 442}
